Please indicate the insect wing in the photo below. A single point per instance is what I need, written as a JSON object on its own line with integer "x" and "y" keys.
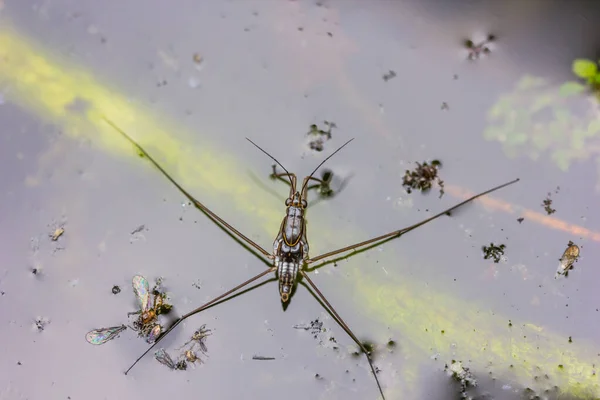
{"x": 154, "y": 333}
{"x": 164, "y": 358}
{"x": 103, "y": 335}
{"x": 141, "y": 288}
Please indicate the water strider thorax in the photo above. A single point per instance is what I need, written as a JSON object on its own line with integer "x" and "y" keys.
{"x": 290, "y": 246}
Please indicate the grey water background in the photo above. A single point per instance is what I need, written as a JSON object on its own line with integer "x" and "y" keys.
{"x": 270, "y": 90}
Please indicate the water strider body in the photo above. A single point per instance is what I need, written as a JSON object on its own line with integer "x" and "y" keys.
{"x": 290, "y": 255}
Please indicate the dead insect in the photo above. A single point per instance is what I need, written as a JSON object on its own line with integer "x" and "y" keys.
{"x": 190, "y": 356}
{"x": 422, "y": 177}
{"x": 57, "y": 233}
{"x": 165, "y": 359}
{"x": 493, "y": 251}
{"x": 199, "y": 339}
{"x": 103, "y": 335}
{"x": 569, "y": 257}
{"x": 147, "y": 323}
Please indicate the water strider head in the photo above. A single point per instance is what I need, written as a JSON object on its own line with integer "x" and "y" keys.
{"x": 296, "y": 200}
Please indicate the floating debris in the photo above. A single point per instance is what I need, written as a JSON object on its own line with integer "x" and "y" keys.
{"x": 191, "y": 357}
{"x": 475, "y": 50}
{"x": 422, "y": 177}
{"x": 164, "y": 358}
{"x": 58, "y": 232}
{"x": 318, "y": 136}
{"x": 569, "y": 257}
{"x": 103, "y": 335}
{"x": 147, "y": 323}
{"x": 493, "y": 251}
{"x": 198, "y": 339}
{"x": 261, "y": 358}
{"x": 40, "y": 323}
{"x": 445, "y": 106}
{"x": 315, "y": 327}
{"x": 521, "y": 219}
{"x": 389, "y": 75}
{"x": 138, "y": 229}
{"x": 197, "y": 58}
{"x": 462, "y": 375}
{"x": 547, "y": 203}
{"x": 137, "y": 234}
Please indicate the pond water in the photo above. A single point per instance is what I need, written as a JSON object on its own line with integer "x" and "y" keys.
{"x": 482, "y": 87}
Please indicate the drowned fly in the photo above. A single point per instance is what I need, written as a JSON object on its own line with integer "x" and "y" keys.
{"x": 146, "y": 324}
{"x": 290, "y": 255}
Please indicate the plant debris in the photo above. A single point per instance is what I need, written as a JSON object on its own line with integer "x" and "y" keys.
{"x": 547, "y": 203}
{"x": 261, "y": 358}
{"x": 493, "y": 251}
{"x": 569, "y": 257}
{"x": 57, "y": 233}
{"x": 319, "y": 136}
{"x": 422, "y": 177}
{"x": 389, "y": 75}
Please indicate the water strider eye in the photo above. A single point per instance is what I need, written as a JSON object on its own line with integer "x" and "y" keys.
{"x": 288, "y": 201}
{"x": 304, "y": 204}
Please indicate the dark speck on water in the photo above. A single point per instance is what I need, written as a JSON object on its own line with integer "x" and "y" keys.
{"x": 521, "y": 219}
{"x": 138, "y": 229}
{"x": 494, "y": 252}
{"x": 389, "y": 75}
{"x": 116, "y": 289}
{"x": 262, "y": 358}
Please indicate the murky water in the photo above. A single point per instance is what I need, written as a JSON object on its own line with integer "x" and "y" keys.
{"x": 190, "y": 81}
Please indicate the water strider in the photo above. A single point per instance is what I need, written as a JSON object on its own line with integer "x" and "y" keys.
{"x": 290, "y": 255}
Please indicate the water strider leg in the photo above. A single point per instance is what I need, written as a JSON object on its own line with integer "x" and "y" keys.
{"x": 191, "y": 198}
{"x": 197, "y": 310}
{"x": 345, "y": 327}
{"x": 407, "y": 229}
